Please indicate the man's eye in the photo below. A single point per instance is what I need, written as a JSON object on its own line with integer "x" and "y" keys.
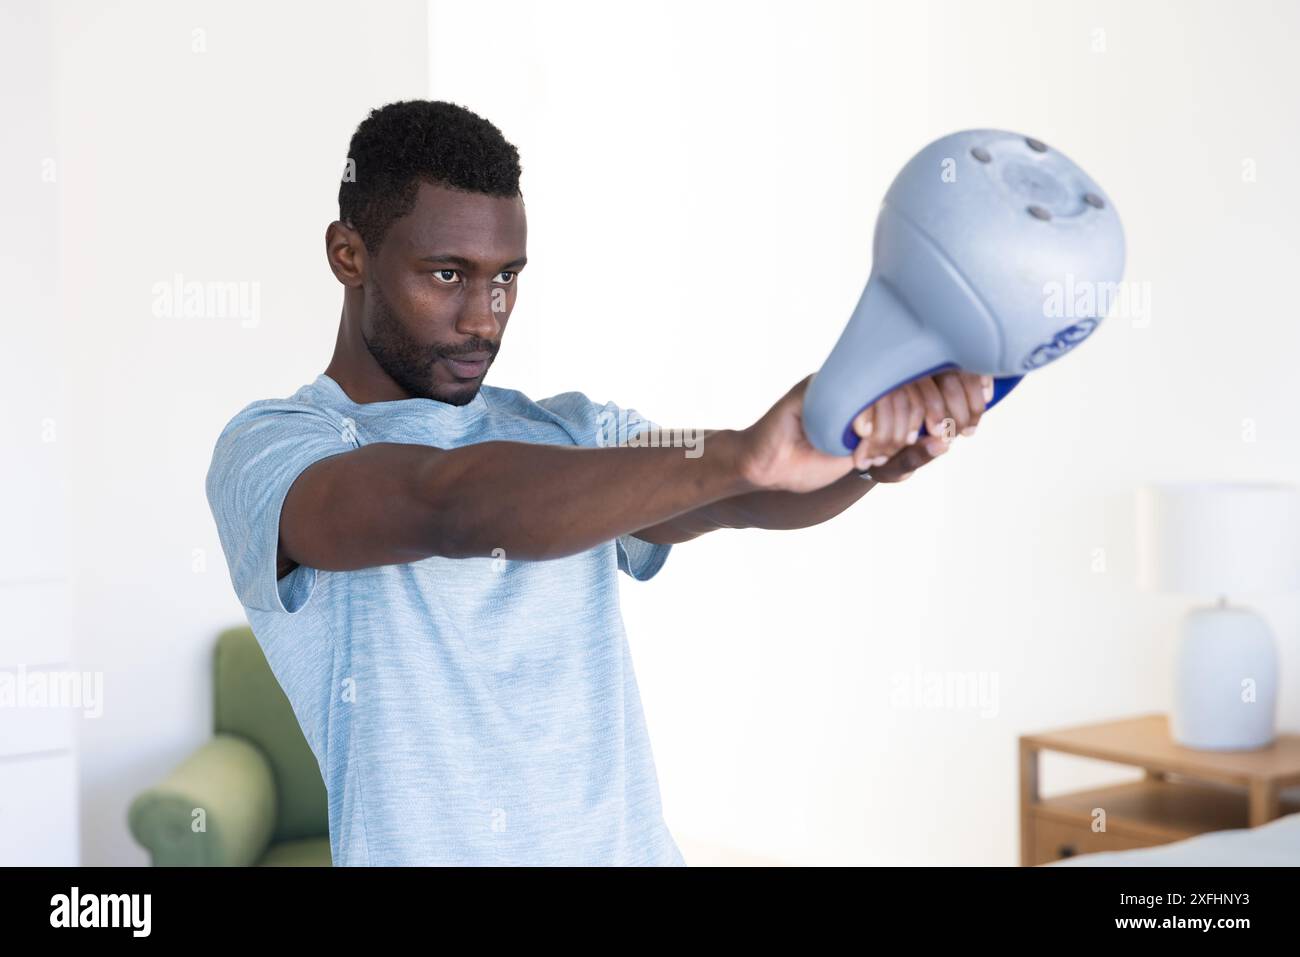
{"x": 439, "y": 273}
{"x": 506, "y": 282}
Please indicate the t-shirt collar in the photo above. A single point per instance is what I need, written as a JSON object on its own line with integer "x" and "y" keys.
{"x": 443, "y": 412}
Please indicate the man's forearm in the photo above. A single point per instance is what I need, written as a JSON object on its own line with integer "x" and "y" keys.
{"x": 546, "y": 501}
{"x": 762, "y": 509}
{"x": 771, "y": 510}
{"x": 786, "y": 510}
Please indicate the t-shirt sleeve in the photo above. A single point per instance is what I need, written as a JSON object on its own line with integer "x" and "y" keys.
{"x": 258, "y": 456}
{"x": 617, "y": 426}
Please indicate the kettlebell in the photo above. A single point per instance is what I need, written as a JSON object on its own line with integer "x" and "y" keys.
{"x": 993, "y": 254}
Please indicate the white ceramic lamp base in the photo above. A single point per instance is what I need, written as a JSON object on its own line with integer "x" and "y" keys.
{"x": 1225, "y": 681}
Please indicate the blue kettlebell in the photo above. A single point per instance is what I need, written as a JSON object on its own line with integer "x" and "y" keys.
{"x": 993, "y": 254}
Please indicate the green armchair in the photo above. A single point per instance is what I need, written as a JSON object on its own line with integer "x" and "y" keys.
{"x": 253, "y": 795}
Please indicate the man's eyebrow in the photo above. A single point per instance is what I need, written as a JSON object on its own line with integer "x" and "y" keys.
{"x": 462, "y": 261}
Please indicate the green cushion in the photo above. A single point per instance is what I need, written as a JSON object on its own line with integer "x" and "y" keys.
{"x": 217, "y": 809}
{"x": 249, "y": 702}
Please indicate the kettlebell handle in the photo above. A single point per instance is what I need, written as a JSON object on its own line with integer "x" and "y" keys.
{"x": 1001, "y": 386}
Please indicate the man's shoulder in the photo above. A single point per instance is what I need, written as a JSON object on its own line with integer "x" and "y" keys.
{"x": 573, "y": 405}
{"x": 268, "y": 437}
{"x": 310, "y": 400}
{"x": 573, "y": 411}
{"x": 307, "y": 416}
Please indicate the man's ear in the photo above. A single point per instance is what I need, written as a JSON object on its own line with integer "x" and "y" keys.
{"x": 346, "y": 253}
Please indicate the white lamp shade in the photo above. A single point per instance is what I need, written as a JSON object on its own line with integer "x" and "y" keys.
{"x": 1219, "y": 538}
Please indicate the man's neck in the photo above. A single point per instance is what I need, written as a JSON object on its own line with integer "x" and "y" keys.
{"x": 352, "y": 366}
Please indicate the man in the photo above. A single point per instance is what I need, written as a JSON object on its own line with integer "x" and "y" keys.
{"x": 430, "y": 563}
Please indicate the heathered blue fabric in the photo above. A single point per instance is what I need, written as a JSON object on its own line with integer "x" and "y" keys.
{"x": 463, "y": 711}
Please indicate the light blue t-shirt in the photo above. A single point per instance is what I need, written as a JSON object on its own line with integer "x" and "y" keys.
{"x": 463, "y": 711}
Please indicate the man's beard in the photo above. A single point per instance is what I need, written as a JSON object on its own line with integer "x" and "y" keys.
{"x": 410, "y": 363}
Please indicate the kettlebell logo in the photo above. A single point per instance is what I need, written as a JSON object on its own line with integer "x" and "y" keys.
{"x": 1060, "y": 344}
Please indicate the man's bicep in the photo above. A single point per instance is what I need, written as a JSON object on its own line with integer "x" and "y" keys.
{"x": 683, "y": 528}
{"x": 259, "y": 455}
{"x": 364, "y": 508}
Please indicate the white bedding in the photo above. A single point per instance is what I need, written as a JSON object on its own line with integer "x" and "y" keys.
{"x": 1275, "y": 844}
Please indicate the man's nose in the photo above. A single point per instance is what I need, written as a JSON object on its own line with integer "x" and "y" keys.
{"x": 484, "y": 313}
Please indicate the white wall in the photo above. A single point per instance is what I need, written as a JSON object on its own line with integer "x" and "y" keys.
{"x": 702, "y": 179}
{"x": 220, "y": 165}
{"x": 38, "y": 773}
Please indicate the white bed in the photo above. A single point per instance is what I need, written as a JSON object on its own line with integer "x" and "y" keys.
{"x": 1275, "y": 844}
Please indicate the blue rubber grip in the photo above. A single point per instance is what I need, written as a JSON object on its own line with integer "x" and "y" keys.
{"x": 1001, "y": 386}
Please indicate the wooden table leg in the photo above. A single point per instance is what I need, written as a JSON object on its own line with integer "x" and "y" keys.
{"x": 1028, "y": 798}
{"x": 1263, "y": 802}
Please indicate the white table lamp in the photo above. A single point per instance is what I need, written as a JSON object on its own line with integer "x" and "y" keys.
{"x": 1221, "y": 539}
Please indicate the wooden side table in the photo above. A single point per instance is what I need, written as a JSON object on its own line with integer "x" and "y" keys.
{"x": 1184, "y": 792}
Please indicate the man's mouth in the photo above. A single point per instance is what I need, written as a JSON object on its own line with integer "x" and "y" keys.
{"x": 471, "y": 365}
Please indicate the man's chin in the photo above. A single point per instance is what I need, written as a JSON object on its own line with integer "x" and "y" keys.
{"x": 463, "y": 397}
{"x": 457, "y": 393}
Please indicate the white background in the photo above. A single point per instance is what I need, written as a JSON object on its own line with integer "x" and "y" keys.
{"x": 701, "y": 182}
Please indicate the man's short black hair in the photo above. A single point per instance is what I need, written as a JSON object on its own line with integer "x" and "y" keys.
{"x": 399, "y": 145}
